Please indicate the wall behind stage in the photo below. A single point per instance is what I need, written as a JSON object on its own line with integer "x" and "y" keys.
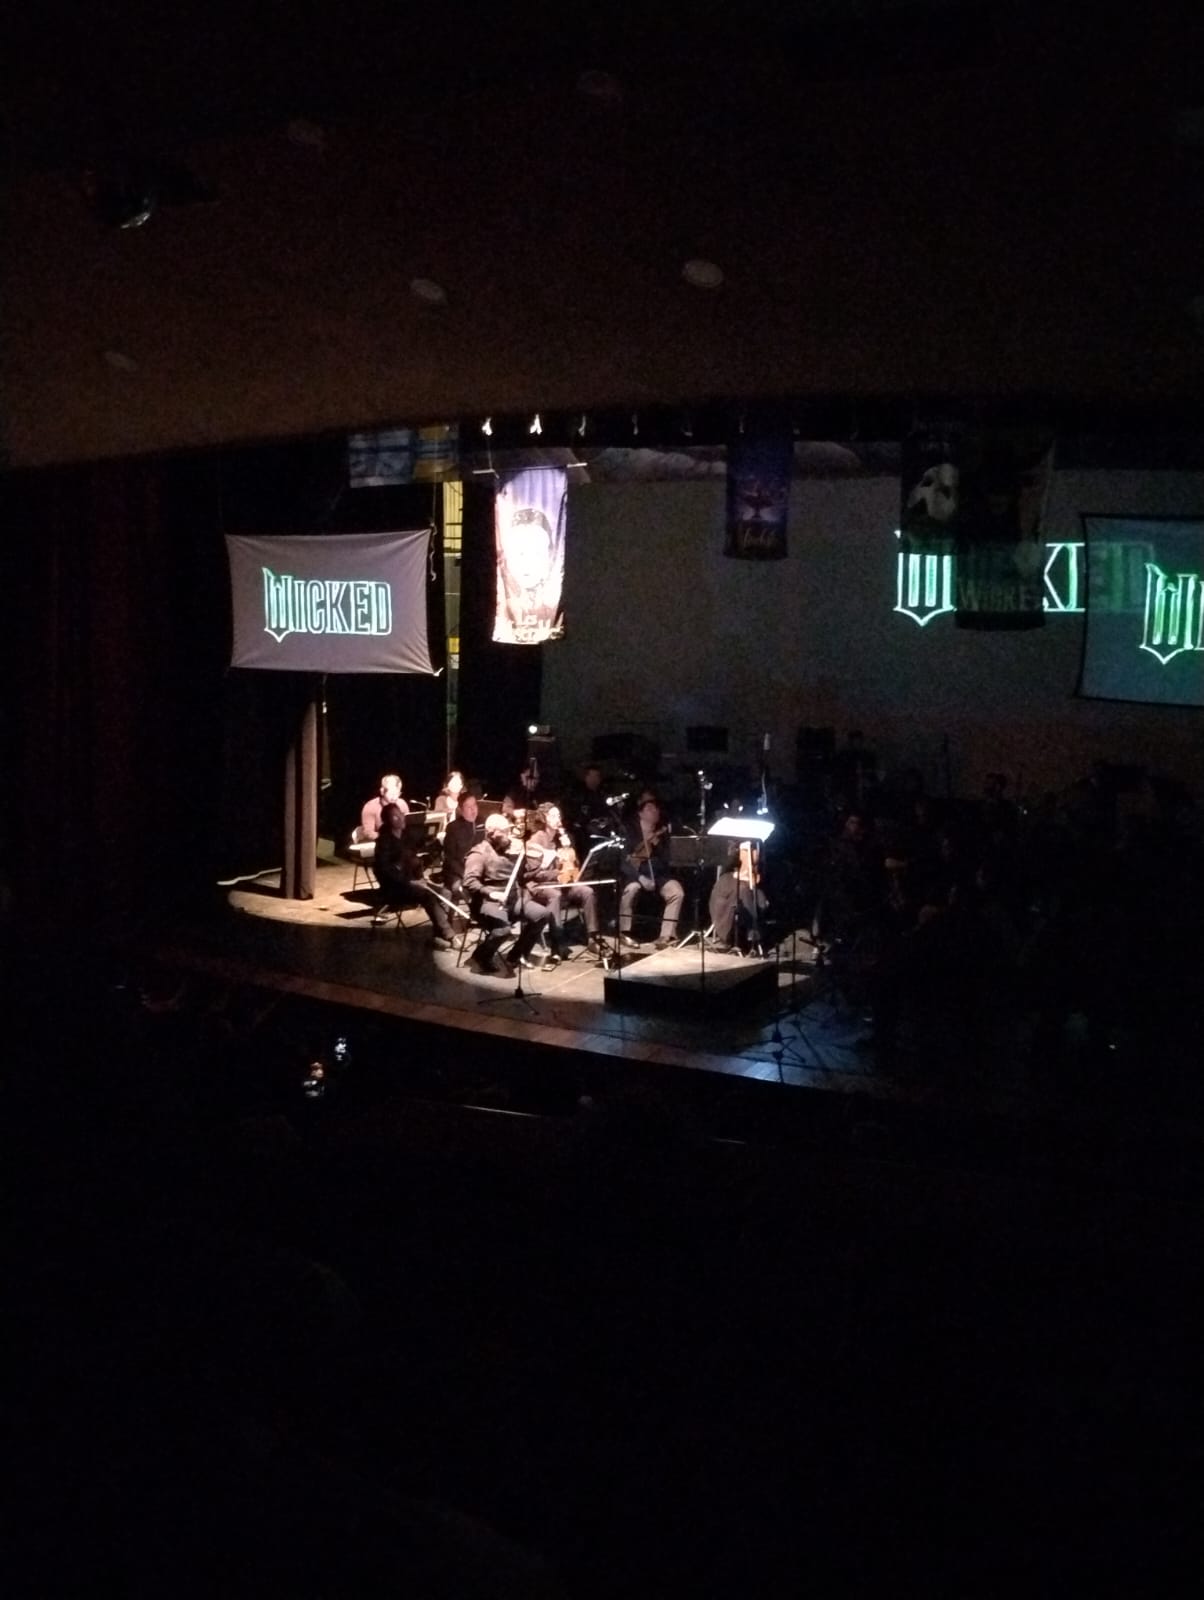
{"x": 664, "y": 633}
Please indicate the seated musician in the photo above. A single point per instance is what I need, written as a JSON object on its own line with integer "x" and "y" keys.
{"x": 497, "y": 897}
{"x": 589, "y": 814}
{"x": 737, "y": 901}
{"x": 399, "y": 873}
{"x": 463, "y": 831}
{"x": 390, "y": 795}
{"x": 646, "y": 866}
{"x": 551, "y": 879}
{"x": 448, "y": 798}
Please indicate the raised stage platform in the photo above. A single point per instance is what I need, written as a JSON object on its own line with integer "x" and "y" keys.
{"x": 692, "y": 982}
{"x": 772, "y": 1021}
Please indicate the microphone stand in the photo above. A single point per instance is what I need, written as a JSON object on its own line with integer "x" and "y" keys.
{"x": 523, "y": 996}
{"x": 699, "y": 930}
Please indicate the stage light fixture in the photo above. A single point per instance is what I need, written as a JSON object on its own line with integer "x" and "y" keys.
{"x": 122, "y": 194}
{"x": 126, "y": 191}
{"x": 536, "y": 424}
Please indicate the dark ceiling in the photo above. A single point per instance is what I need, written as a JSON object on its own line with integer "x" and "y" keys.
{"x": 906, "y": 201}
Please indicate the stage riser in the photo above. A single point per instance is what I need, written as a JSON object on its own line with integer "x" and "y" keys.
{"x": 676, "y": 983}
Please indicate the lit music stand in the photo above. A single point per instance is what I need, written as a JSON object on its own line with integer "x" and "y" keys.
{"x": 745, "y": 830}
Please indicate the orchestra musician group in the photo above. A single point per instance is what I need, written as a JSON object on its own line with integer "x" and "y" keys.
{"x": 513, "y": 864}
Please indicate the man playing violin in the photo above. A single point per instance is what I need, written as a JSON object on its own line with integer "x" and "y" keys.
{"x": 552, "y": 869}
{"x": 646, "y": 867}
{"x": 492, "y": 883}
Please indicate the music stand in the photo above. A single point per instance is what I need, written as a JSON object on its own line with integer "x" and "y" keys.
{"x": 602, "y": 848}
{"x": 698, "y": 851}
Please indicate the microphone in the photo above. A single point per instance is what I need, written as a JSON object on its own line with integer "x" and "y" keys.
{"x": 765, "y": 743}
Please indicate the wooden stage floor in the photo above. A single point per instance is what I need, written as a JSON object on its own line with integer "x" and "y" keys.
{"x": 795, "y": 1035}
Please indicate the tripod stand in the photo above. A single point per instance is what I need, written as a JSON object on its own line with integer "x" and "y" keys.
{"x": 803, "y": 1053}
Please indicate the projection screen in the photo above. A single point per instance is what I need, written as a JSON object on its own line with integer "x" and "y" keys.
{"x": 1145, "y": 601}
{"x": 352, "y": 602}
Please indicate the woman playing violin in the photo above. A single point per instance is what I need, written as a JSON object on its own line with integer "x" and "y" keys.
{"x": 551, "y": 878}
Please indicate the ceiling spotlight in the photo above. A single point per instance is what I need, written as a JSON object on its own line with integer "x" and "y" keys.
{"x": 702, "y": 274}
{"x": 599, "y": 85}
{"x": 428, "y": 291}
{"x": 301, "y": 131}
{"x": 487, "y": 427}
{"x": 536, "y": 424}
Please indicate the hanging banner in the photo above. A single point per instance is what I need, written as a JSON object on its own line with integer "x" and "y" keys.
{"x": 349, "y": 602}
{"x": 759, "y": 469}
{"x": 377, "y": 460}
{"x": 929, "y": 477}
{"x": 973, "y": 501}
{"x": 529, "y": 529}
{"x": 1003, "y": 482}
{"x": 393, "y": 456}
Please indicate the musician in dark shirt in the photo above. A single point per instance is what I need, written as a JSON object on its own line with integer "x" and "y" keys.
{"x": 488, "y": 874}
{"x": 589, "y": 813}
{"x": 551, "y": 860}
{"x": 399, "y": 873}
{"x": 736, "y": 900}
{"x": 646, "y": 866}
{"x": 463, "y": 831}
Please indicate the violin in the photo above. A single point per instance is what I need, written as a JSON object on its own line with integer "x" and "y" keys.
{"x": 570, "y": 867}
{"x": 642, "y": 853}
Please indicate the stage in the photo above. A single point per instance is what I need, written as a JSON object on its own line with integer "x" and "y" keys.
{"x": 773, "y": 1020}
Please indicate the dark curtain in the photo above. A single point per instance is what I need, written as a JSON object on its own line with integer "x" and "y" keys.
{"x": 499, "y": 683}
{"x": 138, "y": 768}
{"x": 116, "y": 646}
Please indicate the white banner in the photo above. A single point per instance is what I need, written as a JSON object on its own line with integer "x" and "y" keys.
{"x": 529, "y": 526}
